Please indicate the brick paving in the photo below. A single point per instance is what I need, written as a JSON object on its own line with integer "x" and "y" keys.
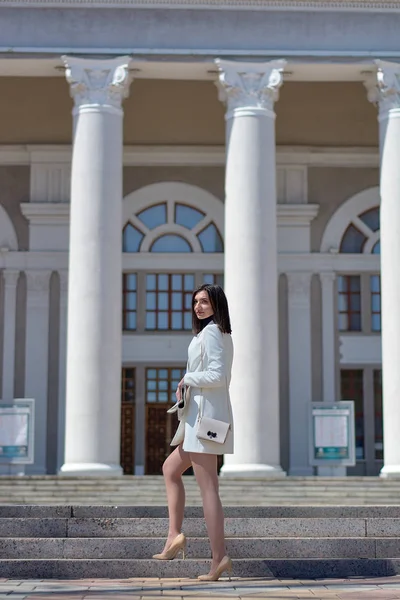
{"x": 191, "y": 589}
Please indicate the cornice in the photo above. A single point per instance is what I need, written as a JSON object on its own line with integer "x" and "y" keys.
{"x": 152, "y": 156}
{"x": 297, "y": 5}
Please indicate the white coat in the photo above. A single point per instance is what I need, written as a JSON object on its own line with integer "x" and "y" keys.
{"x": 210, "y": 357}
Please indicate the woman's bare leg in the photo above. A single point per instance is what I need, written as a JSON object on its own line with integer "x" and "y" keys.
{"x": 205, "y": 470}
{"x": 173, "y": 468}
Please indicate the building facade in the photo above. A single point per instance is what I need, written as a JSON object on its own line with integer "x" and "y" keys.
{"x": 147, "y": 147}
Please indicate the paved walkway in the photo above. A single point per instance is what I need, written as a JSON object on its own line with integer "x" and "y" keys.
{"x": 185, "y": 589}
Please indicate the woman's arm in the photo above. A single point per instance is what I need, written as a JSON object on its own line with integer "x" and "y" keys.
{"x": 215, "y": 374}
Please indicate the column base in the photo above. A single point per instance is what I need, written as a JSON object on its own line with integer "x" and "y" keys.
{"x": 90, "y": 470}
{"x": 301, "y": 472}
{"x": 390, "y": 471}
{"x": 251, "y": 471}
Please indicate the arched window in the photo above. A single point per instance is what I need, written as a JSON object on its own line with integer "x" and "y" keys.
{"x": 169, "y": 227}
{"x": 184, "y": 223}
{"x": 363, "y": 229}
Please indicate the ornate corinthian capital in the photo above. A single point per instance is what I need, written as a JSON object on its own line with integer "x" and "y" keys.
{"x": 98, "y": 82}
{"x": 384, "y": 89}
{"x": 250, "y": 86}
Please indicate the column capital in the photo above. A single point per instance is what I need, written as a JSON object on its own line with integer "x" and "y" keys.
{"x": 98, "y": 84}
{"x": 327, "y": 277}
{"x": 249, "y": 88}
{"x": 383, "y": 89}
{"x": 299, "y": 283}
{"x": 10, "y": 277}
{"x": 38, "y": 280}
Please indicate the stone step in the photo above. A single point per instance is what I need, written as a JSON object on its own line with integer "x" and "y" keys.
{"x": 247, "y": 567}
{"x": 155, "y": 512}
{"x": 246, "y": 547}
{"x": 195, "y": 527}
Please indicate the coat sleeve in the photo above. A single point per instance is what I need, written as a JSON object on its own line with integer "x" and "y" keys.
{"x": 214, "y": 375}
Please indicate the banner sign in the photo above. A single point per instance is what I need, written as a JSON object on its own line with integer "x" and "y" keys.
{"x": 17, "y": 431}
{"x": 332, "y": 439}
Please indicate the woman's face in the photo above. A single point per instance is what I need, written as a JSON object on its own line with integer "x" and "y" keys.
{"x": 202, "y": 305}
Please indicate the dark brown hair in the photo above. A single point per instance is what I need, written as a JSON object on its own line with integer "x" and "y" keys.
{"x": 219, "y": 304}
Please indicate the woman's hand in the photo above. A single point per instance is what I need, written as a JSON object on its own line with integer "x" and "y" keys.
{"x": 178, "y": 392}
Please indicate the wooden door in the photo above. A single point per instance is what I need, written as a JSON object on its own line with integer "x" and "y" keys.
{"x": 128, "y": 408}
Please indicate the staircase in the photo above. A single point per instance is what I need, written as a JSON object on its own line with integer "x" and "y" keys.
{"x": 73, "y": 542}
{"x": 149, "y": 491}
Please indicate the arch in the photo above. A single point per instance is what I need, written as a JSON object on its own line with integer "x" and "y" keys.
{"x": 345, "y": 214}
{"x": 8, "y": 236}
{"x": 182, "y": 193}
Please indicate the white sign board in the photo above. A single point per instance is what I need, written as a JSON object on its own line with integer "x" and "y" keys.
{"x": 17, "y": 431}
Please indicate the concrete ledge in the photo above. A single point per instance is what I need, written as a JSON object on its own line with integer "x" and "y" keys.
{"x": 280, "y": 569}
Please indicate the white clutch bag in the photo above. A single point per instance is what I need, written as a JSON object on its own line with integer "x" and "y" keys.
{"x": 212, "y": 429}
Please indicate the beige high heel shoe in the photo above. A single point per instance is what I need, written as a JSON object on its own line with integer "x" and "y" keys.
{"x": 224, "y": 565}
{"x": 178, "y": 545}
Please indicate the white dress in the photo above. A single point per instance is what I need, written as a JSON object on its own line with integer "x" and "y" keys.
{"x": 210, "y": 357}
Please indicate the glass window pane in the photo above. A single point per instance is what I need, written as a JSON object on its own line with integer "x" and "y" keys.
{"x": 210, "y": 239}
{"x": 154, "y": 216}
{"x": 151, "y": 373}
{"x": 371, "y": 218}
{"x": 375, "y": 283}
{"x": 355, "y": 302}
{"x": 176, "y": 282}
{"x": 187, "y": 216}
{"x": 150, "y": 320}
{"x": 377, "y": 248}
{"x": 151, "y": 282}
{"x": 170, "y": 243}
{"x": 376, "y": 322}
{"x": 343, "y": 303}
{"x": 189, "y": 282}
{"x": 163, "y": 301}
{"x": 341, "y": 282}
{"x": 176, "y": 374}
{"x": 343, "y": 322}
{"x": 130, "y": 301}
{"x": 352, "y": 241}
{"x": 163, "y": 384}
{"x": 151, "y": 384}
{"x": 131, "y": 239}
{"x": 376, "y": 303}
{"x": 354, "y": 283}
{"x": 151, "y": 397}
{"x": 176, "y": 320}
{"x": 208, "y": 278}
{"x": 130, "y": 281}
{"x": 162, "y": 396}
{"x": 163, "y": 373}
{"x": 130, "y": 321}
{"x": 163, "y": 282}
{"x": 177, "y": 301}
{"x": 355, "y": 322}
{"x": 162, "y": 321}
{"x": 188, "y": 302}
{"x": 187, "y": 322}
{"x": 151, "y": 301}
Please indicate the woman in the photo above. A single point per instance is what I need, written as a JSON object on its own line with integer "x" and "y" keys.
{"x": 207, "y": 383}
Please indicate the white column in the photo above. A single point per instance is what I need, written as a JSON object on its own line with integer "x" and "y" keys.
{"x": 10, "y": 308}
{"x": 328, "y": 336}
{"x": 299, "y": 314}
{"x": 251, "y": 278}
{"x": 387, "y": 94}
{"x": 36, "y": 359}
{"x": 92, "y": 444}
{"x": 62, "y": 365}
